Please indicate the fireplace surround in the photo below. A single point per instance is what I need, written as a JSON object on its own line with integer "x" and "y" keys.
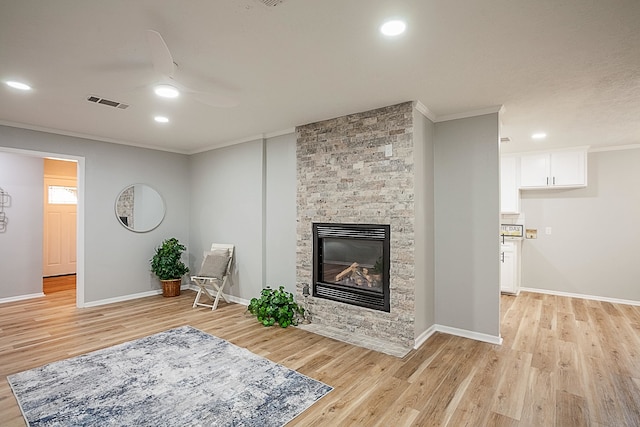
{"x": 345, "y": 176}
{"x": 351, "y": 264}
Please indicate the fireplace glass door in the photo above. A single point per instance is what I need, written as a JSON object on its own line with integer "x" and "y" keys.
{"x": 351, "y": 264}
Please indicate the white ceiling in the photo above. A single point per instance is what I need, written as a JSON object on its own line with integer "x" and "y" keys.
{"x": 570, "y": 68}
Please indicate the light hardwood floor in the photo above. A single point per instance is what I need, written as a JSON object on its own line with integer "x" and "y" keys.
{"x": 564, "y": 362}
{"x": 58, "y": 283}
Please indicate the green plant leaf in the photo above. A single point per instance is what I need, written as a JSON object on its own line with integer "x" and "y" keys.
{"x": 275, "y": 306}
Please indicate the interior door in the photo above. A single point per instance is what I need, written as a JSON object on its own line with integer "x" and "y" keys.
{"x": 60, "y": 208}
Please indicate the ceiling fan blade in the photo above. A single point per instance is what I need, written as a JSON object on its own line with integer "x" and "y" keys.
{"x": 160, "y": 54}
{"x": 215, "y": 99}
{"x": 211, "y": 95}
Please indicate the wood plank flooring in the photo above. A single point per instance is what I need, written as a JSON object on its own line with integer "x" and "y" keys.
{"x": 58, "y": 283}
{"x": 564, "y": 362}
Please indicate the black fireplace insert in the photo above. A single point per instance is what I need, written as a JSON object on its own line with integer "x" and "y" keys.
{"x": 351, "y": 264}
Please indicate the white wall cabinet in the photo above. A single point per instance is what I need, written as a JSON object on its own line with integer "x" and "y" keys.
{"x": 509, "y": 188}
{"x": 557, "y": 169}
{"x": 510, "y": 269}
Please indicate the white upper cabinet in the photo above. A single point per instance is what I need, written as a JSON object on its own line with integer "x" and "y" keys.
{"x": 509, "y": 190}
{"x": 535, "y": 170}
{"x": 557, "y": 169}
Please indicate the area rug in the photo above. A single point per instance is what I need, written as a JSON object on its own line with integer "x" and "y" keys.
{"x": 180, "y": 377}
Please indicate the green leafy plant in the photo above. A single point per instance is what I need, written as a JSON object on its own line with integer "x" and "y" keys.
{"x": 166, "y": 263}
{"x": 275, "y": 306}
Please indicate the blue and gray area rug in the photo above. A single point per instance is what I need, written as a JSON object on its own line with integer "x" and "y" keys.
{"x": 180, "y": 377}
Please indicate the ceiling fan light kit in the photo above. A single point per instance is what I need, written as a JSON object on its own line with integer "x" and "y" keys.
{"x": 166, "y": 91}
{"x": 168, "y": 71}
{"x": 18, "y": 85}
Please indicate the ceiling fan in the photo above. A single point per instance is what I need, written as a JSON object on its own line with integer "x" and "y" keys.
{"x": 170, "y": 85}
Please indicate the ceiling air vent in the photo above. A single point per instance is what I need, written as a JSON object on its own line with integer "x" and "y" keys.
{"x": 107, "y": 102}
{"x": 271, "y": 2}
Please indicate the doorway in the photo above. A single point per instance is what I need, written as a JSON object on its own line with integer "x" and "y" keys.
{"x": 59, "y": 254}
{"x": 26, "y": 234}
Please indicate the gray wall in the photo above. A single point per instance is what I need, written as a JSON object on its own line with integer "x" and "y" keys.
{"x": 423, "y": 142}
{"x": 281, "y": 186}
{"x": 467, "y": 224}
{"x": 227, "y": 207}
{"x": 593, "y": 247}
{"x": 21, "y": 243}
{"x": 246, "y": 195}
{"x": 116, "y": 260}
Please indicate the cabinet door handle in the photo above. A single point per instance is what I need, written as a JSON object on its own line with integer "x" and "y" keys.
{"x": 502, "y": 257}
{"x": 547, "y": 180}
{"x": 554, "y": 180}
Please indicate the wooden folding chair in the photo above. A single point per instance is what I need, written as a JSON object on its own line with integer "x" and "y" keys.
{"x": 214, "y": 274}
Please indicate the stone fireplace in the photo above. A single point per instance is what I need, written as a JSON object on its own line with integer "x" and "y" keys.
{"x": 358, "y": 170}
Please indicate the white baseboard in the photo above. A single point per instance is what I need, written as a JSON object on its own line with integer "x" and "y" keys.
{"x": 21, "y": 297}
{"x": 424, "y": 336}
{"x": 122, "y": 298}
{"x": 491, "y": 339}
{"x": 232, "y": 298}
{"x": 238, "y": 300}
{"x": 582, "y": 296}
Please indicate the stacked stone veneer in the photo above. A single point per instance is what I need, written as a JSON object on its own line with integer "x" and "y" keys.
{"x": 344, "y": 177}
{"x": 125, "y": 204}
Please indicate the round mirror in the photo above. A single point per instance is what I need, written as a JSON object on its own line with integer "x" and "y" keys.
{"x": 140, "y": 208}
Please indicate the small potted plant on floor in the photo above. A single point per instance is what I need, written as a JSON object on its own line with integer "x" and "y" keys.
{"x": 167, "y": 265}
{"x": 275, "y": 306}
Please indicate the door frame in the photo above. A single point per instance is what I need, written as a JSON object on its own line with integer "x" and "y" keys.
{"x": 80, "y": 173}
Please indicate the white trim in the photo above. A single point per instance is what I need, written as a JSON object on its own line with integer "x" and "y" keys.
{"x": 21, "y": 297}
{"x": 425, "y": 111}
{"x": 238, "y": 300}
{"x": 491, "y": 339}
{"x": 582, "y": 296}
{"x": 231, "y": 298}
{"x": 122, "y": 298}
{"x": 420, "y": 339}
{"x": 467, "y": 114}
{"x": 615, "y": 148}
{"x": 258, "y": 137}
{"x": 584, "y": 148}
{"x": 87, "y": 136}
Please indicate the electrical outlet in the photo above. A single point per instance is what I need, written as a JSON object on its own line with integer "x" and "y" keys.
{"x": 388, "y": 150}
{"x": 547, "y": 231}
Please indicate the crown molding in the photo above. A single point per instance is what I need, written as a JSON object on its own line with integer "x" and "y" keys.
{"x": 615, "y": 148}
{"x": 243, "y": 140}
{"x": 86, "y": 136}
{"x": 472, "y": 113}
{"x": 425, "y": 111}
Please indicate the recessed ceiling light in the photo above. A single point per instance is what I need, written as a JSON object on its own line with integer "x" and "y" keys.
{"x": 394, "y": 27}
{"x": 161, "y": 119}
{"x": 166, "y": 91}
{"x": 18, "y": 85}
{"x": 539, "y": 135}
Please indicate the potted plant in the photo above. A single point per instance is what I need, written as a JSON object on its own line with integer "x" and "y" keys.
{"x": 167, "y": 265}
{"x": 275, "y": 306}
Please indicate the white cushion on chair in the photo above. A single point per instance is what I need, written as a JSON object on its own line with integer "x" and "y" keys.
{"x": 214, "y": 263}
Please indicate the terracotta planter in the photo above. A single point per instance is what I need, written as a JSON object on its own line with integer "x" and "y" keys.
{"x": 171, "y": 288}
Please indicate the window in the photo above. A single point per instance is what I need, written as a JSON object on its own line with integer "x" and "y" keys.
{"x": 59, "y": 195}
